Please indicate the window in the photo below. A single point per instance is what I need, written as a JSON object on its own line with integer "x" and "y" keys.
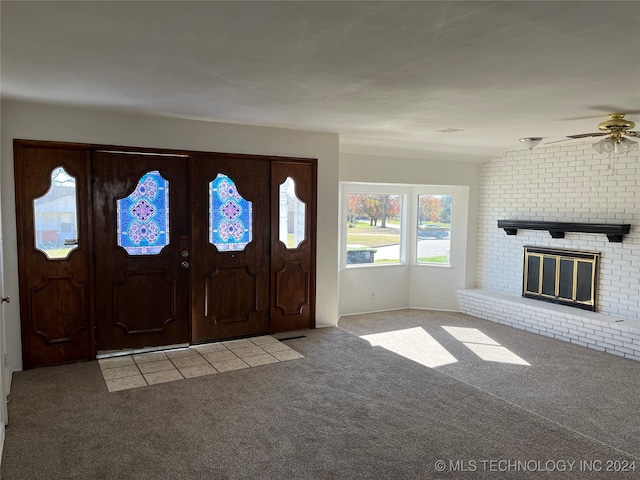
{"x": 143, "y": 216}
{"x": 433, "y": 238}
{"x": 374, "y": 228}
{"x": 55, "y": 216}
{"x": 396, "y": 224}
{"x": 230, "y": 216}
{"x": 292, "y": 215}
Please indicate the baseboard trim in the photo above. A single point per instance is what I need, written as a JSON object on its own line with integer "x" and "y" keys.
{"x": 1, "y": 442}
{"x": 8, "y": 371}
{"x": 372, "y": 311}
{"x": 395, "y": 310}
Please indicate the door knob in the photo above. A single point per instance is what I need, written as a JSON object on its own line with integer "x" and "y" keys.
{"x": 185, "y": 265}
{"x": 185, "y": 253}
{"x": 6, "y": 299}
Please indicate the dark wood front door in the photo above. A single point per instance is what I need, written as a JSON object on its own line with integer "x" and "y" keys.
{"x": 121, "y": 251}
{"x": 293, "y": 247}
{"x": 230, "y": 221}
{"x": 53, "y": 212}
{"x": 141, "y": 272}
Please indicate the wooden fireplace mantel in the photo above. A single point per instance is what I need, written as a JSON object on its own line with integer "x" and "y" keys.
{"x": 614, "y": 232}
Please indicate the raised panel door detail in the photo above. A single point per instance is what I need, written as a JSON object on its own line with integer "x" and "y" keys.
{"x": 58, "y": 310}
{"x": 293, "y": 261}
{"x": 144, "y": 302}
{"x": 55, "y": 252}
{"x": 143, "y": 216}
{"x": 291, "y": 219}
{"x": 55, "y": 216}
{"x": 292, "y": 290}
{"x": 141, "y": 289}
{"x": 230, "y": 294}
{"x": 230, "y": 216}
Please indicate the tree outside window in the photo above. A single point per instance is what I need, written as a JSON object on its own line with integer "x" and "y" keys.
{"x": 373, "y": 228}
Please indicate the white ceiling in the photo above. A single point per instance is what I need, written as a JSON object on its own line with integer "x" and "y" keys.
{"x": 384, "y": 75}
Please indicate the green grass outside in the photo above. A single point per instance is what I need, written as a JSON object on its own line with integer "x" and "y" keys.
{"x": 439, "y": 259}
{"x": 366, "y": 224}
{"x": 372, "y": 240}
{"x": 368, "y": 236}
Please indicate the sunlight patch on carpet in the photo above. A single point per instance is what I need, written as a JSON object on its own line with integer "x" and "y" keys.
{"x": 484, "y": 346}
{"x": 415, "y": 344}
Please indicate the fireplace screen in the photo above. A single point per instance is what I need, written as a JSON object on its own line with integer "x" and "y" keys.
{"x": 561, "y": 276}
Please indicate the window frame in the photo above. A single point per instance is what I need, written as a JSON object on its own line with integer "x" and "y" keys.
{"x": 373, "y": 189}
{"x": 433, "y": 190}
{"x": 409, "y": 221}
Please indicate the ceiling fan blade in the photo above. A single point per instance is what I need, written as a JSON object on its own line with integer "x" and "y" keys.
{"x": 610, "y": 109}
{"x": 558, "y": 141}
{"x": 604, "y": 109}
{"x": 633, "y": 134}
{"x": 584, "y": 135}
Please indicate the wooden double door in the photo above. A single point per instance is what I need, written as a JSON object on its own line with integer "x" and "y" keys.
{"x": 170, "y": 248}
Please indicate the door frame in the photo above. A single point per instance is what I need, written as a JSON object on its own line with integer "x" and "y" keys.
{"x": 89, "y": 149}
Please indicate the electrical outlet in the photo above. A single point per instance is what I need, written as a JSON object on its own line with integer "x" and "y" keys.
{"x": 372, "y": 294}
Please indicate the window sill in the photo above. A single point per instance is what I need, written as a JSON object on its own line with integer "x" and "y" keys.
{"x": 356, "y": 266}
{"x": 437, "y": 265}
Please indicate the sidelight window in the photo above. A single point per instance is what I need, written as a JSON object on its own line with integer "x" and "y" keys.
{"x": 143, "y": 216}
{"x": 230, "y": 216}
{"x": 55, "y": 216}
{"x": 292, "y": 215}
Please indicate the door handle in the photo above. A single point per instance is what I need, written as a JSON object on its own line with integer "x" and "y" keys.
{"x": 6, "y": 299}
{"x": 185, "y": 264}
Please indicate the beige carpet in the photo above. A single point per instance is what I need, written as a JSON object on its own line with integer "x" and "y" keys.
{"x": 352, "y": 408}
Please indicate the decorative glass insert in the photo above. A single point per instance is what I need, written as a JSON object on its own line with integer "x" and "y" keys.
{"x": 433, "y": 238}
{"x": 292, "y": 215}
{"x": 143, "y": 216}
{"x": 230, "y": 216}
{"x": 55, "y": 217}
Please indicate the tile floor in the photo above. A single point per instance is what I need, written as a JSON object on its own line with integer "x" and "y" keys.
{"x": 139, "y": 370}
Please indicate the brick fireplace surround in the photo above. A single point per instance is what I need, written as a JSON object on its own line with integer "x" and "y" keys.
{"x": 589, "y": 329}
{"x": 569, "y": 182}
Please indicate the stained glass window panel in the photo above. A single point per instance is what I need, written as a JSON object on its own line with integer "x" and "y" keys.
{"x": 230, "y": 216}
{"x": 143, "y": 216}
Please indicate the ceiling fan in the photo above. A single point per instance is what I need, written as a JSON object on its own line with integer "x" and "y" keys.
{"x": 615, "y": 130}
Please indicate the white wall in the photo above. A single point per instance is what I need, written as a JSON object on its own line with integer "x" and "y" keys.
{"x": 45, "y": 122}
{"x": 569, "y": 183}
{"x": 5, "y": 374}
{"x": 435, "y": 287}
{"x": 411, "y": 286}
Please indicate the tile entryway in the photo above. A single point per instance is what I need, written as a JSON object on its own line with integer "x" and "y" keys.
{"x": 131, "y": 371}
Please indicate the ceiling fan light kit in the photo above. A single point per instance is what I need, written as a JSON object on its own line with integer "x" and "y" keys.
{"x": 616, "y": 142}
{"x": 531, "y": 142}
{"x": 617, "y": 146}
{"x": 616, "y": 132}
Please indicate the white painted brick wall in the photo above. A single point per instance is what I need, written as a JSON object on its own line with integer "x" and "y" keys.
{"x": 602, "y": 332}
{"x": 566, "y": 182}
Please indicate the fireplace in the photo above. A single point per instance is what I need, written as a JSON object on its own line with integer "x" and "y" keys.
{"x": 561, "y": 276}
